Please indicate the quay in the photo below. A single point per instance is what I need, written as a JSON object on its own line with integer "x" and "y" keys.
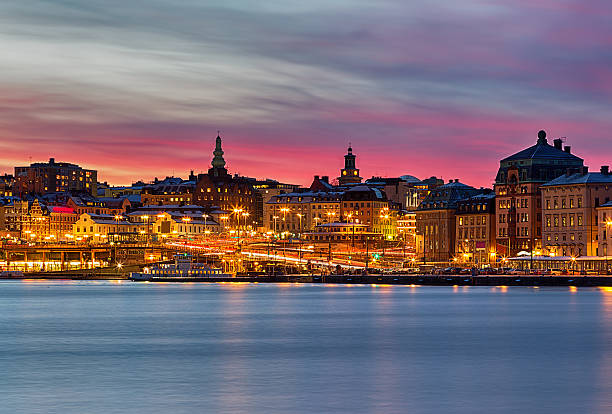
{"x": 424, "y": 280}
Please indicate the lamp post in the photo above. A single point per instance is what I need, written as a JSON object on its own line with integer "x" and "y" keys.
{"x": 205, "y": 216}
{"x": 384, "y": 216}
{"x": 300, "y": 226}
{"x": 275, "y": 218}
{"x": 608, "y": 224}
{"x": 145, "y": 218}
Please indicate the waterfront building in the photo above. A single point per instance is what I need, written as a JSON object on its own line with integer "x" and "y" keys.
{"x": 171, "y": 190}
{"x": 369, "y": 205}
{"x": 517, "y": 189}
{"x": 406, "y": 230}
{"x": 234, "y": 194}
{"x": 296, "y": 213}
{"x": 570, "y": 208}
{"x": 350, "y": 173}
{"x": 350, "y": 234}
{"x": 42, "y": 178}
{"x": 104, "y": 228}
{"x": 475, "y": 229}
{"x": 211, "y": 219}
{"x": 435, "y": 221}
{"x": 15, "y": 213}
{"x": 188, "y": 224}
{"x": 604, "y": 229}
{"x": 47, "y": 223}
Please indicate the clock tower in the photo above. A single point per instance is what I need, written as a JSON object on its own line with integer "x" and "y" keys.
{"x": 349, "y": 174}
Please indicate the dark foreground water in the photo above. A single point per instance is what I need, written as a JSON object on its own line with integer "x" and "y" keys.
{"x": 103, "y": 347}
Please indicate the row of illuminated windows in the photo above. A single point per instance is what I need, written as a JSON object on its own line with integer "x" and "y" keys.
{"x": 563, "y": 203}
{"x": 564, "y": 221}
{"x": 478, "y": 220}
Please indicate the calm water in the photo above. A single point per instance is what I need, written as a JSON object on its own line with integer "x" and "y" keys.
{"x": 103, "y": 347}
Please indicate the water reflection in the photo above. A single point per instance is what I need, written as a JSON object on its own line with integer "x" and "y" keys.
{"x": 246, "y": 348}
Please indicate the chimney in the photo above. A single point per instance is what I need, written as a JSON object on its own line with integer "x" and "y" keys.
{"x": 325, "y": 178}
{"x": 316, "y": 178}
{"x": 567, "y": 149}
{"x": 558, "y": 143}
{"x": 605, "y": 170}
{"x": 51, "y": 160}
{"x": 585, "y": 170}
{"x": 450, "y": 181}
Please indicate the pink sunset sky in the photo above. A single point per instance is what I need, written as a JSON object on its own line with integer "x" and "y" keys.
{"x": 139, "y": 89}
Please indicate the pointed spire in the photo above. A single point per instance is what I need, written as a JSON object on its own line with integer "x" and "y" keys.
{"x": 218, "y": 161}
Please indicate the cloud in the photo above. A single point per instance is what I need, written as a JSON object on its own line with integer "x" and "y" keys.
{"x": 138, "y": 89}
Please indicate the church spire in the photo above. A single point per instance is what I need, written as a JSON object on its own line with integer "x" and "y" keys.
{"x": 218, "y": 161}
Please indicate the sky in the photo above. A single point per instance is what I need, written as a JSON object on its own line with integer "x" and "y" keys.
{"x": 138, "y": 89}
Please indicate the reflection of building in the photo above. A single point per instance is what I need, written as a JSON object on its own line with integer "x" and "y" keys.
{"x": 569, "y": 205}
{"x": 435, "y": 220}
{"x": 350, "y": 173}
{"x": 233, "y": 194}
{"x": 475, "y": 229}
{"x": 517, "y": 187}
{"x": 42, "y": 178}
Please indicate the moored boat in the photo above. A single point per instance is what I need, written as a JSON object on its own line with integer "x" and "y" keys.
{"x": 183, "y": 269}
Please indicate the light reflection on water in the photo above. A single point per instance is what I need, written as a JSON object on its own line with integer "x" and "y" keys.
{"x": 103, "y": 347}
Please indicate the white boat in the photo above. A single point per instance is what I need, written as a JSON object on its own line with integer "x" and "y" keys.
{"x": 11, "y": 273}
{"x": 183, "y": 269}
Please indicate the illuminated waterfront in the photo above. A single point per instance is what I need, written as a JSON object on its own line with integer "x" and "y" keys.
{"x": 255, "y": 348}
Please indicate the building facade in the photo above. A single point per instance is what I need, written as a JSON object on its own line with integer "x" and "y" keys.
{"x": 435, "y": 221}
{"x": 296, "y": 213}
{"x": 475, "y": 229}
{"x": 367, "y": 205}
{"x": 569, "y": 205}
{"x": 42, "y": 178}
{"x": 517, "y": 189}
{"x": 172, "y": 190}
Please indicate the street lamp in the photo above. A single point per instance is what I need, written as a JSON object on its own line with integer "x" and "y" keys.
{"x": 300, "y": 226}
{"x": 205, "y": 218}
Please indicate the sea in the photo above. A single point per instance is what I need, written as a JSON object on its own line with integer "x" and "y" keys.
{"x": 125, "y": 347}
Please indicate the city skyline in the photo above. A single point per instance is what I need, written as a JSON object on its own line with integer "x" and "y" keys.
{"x": 446, "y": 90}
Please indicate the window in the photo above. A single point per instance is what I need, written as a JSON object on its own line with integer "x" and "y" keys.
{"x": 579, "y": 219}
